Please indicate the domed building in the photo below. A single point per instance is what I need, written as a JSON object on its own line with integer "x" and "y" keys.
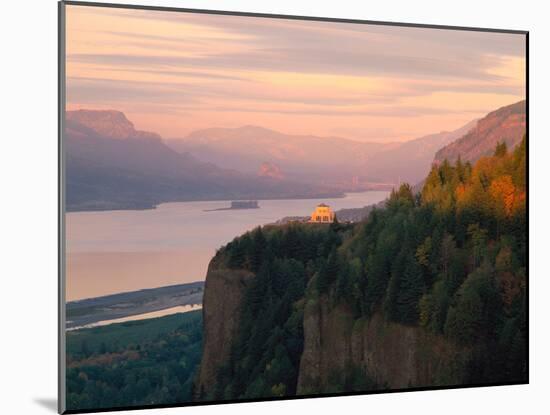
{"x": 322, "y": 214}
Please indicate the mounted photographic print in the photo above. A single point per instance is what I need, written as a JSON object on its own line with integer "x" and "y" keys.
{"x": 258, "y": 207}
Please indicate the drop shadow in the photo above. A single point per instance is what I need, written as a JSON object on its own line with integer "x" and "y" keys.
{"x": 48, "y": 403}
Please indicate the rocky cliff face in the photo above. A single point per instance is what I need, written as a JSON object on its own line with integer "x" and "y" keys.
{"x": 223, "y": 294}
{"x": 336, "y": 344}
{"x": 390, "y": 355}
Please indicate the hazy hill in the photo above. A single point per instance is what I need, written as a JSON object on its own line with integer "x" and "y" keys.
{"x": 327, "y": 159}
{"x": 110, "y": 165}
{"x": 411, "y": 161}
{"x": 303, "y": 156}
{"x": 505, "y": 124}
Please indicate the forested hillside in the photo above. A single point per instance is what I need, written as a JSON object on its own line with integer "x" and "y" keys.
{"x": 144, "y": 362}
{"x": 437, "y": 279}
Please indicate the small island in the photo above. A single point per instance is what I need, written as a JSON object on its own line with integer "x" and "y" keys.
{"x": 237, "y": 205}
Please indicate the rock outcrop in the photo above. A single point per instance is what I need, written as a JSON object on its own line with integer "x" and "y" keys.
{"x": 224, "y": 290}
{"x": 336, "y": 344}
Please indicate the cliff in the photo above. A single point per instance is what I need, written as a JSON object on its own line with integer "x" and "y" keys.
{"x": 388, "y": 355}
{"x": 340, "y": 351}
{"x": 224, "y": 290}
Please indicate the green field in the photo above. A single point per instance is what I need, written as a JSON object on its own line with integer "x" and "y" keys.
{"x": 143, "y": 362}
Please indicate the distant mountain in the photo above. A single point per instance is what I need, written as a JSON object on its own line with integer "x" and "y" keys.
{"x": 110, "y": 165}
{"x": 505, "y": 124}
{"x": 411, "y": 161}
{"x": 330, "y": 160}
{"x": 300, "y": 156}
{"x": 112, "y": 124}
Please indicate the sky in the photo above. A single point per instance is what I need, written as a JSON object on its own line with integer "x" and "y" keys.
{"x": 174, "y": 73}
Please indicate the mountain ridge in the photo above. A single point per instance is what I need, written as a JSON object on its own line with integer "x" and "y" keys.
{"x": 507, "y": 124}
{"x": 106, "y": 123}
{"x": 310, "y": 157}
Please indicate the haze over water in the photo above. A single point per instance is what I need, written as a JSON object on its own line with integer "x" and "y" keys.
{"x": 126, "y": 250}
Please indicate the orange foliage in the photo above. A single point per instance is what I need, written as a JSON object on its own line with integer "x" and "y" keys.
{"x": 460, "y": 193}
{"x": 495, "y": 184}
{"x": 504, "y": 193}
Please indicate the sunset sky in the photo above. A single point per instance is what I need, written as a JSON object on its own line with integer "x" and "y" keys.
{"x": 173, "y": 73}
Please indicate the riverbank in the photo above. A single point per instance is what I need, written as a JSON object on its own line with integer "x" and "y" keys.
{"x": 134, "y": 305}
{"x": 145, "y": 316}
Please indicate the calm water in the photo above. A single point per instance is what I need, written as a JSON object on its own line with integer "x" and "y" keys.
{"x": 114, "y": 251}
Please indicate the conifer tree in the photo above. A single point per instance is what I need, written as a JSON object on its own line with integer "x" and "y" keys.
{"x": 501, "y": 149}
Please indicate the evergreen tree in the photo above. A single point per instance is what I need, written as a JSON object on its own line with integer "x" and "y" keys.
{"x": 343, "y": 284}
{"x": 411, "y": 288}
{"x": 472, "y": 317}
{"x": 501, "y": 149}
{"x": 258, "y": 248}
{"x": 323, "y": 280}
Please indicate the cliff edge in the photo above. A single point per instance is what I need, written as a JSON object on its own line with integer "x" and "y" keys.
{"x": 223, "y": 294}
{"x": 342, "y": 353}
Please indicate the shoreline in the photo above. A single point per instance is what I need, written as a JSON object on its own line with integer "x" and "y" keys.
{"x": 229, "y": 208}
{"x": 339, "y": 195}
{"x": 141, "y": 290}
{"x": 180, "y": 309}
{"x": 125, "y": 306}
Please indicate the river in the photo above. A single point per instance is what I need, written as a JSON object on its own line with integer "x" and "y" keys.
{"x": 127, "y": 250}
{"x": 143, "y": 316}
